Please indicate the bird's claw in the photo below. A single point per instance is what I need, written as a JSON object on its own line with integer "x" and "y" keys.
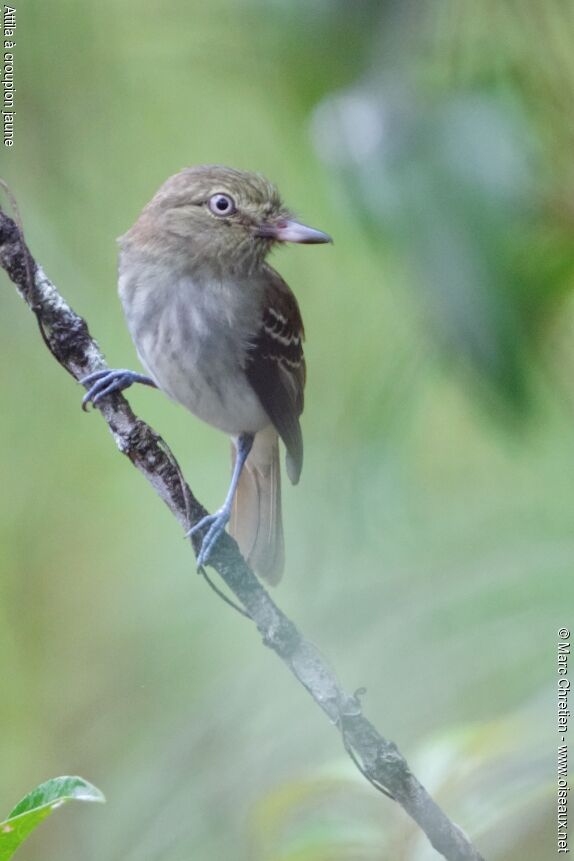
{"x": 215, "y": 525}
{"x": 105, "y": 382}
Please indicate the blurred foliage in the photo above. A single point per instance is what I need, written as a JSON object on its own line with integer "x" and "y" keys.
{"x": 479, "y": 770}
{"x": 448, "y": 153}
{"x": 430, "y": 542}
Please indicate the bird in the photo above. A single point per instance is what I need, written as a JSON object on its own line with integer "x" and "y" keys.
{"x": 219, "y": 331}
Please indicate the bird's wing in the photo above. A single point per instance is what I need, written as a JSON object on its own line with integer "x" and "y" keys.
{"x": 276, "y": 367}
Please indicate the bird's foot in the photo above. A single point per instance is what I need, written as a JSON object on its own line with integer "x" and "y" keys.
{"x": 215, "y": 525}
{"x": 103, "y": 383}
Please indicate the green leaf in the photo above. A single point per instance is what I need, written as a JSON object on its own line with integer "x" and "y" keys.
{"x": 37, "y": 805}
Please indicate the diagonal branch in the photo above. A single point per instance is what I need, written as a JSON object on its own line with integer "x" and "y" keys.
{"x": 67, "y": 337}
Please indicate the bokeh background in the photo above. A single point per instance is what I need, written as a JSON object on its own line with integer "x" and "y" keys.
{"x": 431, "y": 540}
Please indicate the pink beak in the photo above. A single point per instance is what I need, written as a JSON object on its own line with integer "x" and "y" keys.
{"x": 287, "y": 230}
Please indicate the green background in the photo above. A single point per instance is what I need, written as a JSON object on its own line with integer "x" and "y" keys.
{"x": 430, "y": 543}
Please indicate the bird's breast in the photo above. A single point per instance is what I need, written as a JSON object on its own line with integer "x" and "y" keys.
{"x": 191, "y": 334}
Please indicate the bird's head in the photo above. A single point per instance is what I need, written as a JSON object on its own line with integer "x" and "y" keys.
{"x": 218, "y": 214}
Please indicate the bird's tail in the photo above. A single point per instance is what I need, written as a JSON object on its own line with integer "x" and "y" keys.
{"x": 255, "y": 520}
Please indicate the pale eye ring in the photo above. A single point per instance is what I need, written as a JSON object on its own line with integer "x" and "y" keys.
{"x": 221, "y": 204}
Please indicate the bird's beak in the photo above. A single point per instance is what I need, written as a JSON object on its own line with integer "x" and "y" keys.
{"x": 287, "y": 230}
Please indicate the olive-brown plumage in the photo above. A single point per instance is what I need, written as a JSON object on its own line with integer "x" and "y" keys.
{"x": 220, "y": 332}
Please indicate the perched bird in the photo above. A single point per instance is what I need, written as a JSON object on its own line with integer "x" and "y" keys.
{"x": 219, "y": 331}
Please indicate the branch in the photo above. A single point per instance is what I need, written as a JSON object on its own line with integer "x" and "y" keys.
{"x": 68, "y": 339}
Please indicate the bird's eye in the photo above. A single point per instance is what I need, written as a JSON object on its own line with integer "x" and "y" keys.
{"x": 221, "y": 204}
